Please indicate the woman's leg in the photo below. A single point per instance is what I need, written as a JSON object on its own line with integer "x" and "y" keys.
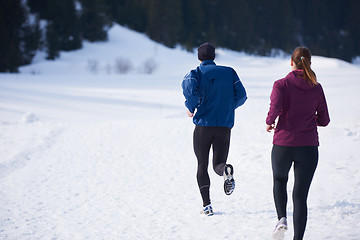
{"x": 202, "y": 144}
{"x": 281, "y": 160}
{"x": 305, "y": 162}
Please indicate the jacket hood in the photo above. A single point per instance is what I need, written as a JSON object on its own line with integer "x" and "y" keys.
{"x": 297, "y": 78}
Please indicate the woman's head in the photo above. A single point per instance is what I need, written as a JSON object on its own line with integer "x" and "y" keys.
{"x": 301, "y": 57}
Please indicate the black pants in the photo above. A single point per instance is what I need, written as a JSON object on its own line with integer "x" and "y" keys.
{"x": 305, "y": 160}
{"x": 204, "y": 138}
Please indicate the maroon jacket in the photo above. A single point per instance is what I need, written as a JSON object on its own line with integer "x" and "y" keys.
{"x": 301, "y": 107}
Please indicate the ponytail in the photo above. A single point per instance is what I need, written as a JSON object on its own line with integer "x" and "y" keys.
{"x": 309, "y": 73}
{"x": 302, "y": 59}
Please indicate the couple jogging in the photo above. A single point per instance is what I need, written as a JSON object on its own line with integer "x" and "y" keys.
{"x": 212, "y": 94}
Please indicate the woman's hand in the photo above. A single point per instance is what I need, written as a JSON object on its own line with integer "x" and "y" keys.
{"x": 270, "y": 127}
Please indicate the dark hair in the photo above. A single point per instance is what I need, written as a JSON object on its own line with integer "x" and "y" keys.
{"x": 302, "y": 59}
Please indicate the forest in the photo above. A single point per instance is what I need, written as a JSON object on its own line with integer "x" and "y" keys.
{"x": 330, "y": 28}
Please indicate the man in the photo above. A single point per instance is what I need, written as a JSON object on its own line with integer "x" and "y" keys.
{"x": 212, "y": 94}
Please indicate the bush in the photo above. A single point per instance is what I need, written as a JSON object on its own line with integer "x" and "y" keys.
{"x": 93, "y": 66}
{"x": 123, "y": 65}
{"x": 149, "y": 66}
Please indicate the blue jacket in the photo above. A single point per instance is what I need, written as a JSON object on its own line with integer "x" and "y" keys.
{"x": 215, "y": 91}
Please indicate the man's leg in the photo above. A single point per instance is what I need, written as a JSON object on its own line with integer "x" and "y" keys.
{"x": 221, "y": 144}
{"x": 202, "y": 144}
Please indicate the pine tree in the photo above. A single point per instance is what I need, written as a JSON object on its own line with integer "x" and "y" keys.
{"x": 63, "y": 30}
{"x": 19, "y": 38}
{"x": 94, "y": 19}
{"x": 236, "y": 24}
{"x": 193, "y": 24}
{"x": 30, "y": 35}
{"x": 165, "y": 21}
{"x": 11, "y": 18}
{"x": 352, "y": 29}
{"x": 327, "y": 27}
{"x": 132, "y": 13}
{"x": 53, "y": 41}
{"x": 212, "y": 18}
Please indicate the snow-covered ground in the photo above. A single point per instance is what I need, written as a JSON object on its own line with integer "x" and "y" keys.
{"x": 89, "y": 153}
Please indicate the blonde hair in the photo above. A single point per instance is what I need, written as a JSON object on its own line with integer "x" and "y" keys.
{"x": 302, "y": 59}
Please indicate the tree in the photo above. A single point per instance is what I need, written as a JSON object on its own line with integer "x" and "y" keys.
{"x": 236, "y": 23}
{"x": 94, "y": 20}
{"x": 328, "y": 27}
{"x": 165, "y": 21}
{"x": 63, "y": 30}
{"x": 131, "y": 13}
{"x": 19, "y": 37}
{"x": 193, "y": 24}
{"x": 352, "y": 28}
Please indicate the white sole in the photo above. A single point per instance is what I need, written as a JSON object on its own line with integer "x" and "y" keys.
{"x": 279, "y": 232}
{"x": 206, "y": 214}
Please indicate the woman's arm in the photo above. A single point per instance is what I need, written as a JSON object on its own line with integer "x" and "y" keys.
{"x": 322, "y": 116}
{"x": 276, "y": 103}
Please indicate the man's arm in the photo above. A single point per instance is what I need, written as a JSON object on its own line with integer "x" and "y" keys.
{"x": 190, "y": 86}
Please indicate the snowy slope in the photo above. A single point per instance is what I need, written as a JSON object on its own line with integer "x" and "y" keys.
{"x": 88, "y": 153}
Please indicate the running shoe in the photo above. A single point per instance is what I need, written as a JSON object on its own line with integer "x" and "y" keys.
{"x": 207, "y": 210}
{"x": 280, "y": 229}
{"x": 229, "y": 182}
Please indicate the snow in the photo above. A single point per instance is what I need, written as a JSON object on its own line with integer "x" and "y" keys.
{"x": 100, "y": 155}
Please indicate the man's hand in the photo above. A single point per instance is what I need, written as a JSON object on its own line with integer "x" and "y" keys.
{"x": 190, "y": 114}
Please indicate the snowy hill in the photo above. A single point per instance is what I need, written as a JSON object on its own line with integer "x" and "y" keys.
{"x": 96, "y": 145}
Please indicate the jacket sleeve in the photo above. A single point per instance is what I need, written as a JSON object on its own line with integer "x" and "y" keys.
{"x": 276, "y": 102}
{"x": 190, "y": 86}
{"x": 322, "y": 115}
{"x": 239, "y": 91}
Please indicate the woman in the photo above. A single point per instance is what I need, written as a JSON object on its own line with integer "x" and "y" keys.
{"x": 299, "y": 102}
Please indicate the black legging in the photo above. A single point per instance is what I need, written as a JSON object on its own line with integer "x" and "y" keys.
{"x": 204, "y": 138}
{"x": 305, "y": 160}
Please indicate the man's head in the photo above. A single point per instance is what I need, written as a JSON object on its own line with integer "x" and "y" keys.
{"x": 206, "y": 52}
